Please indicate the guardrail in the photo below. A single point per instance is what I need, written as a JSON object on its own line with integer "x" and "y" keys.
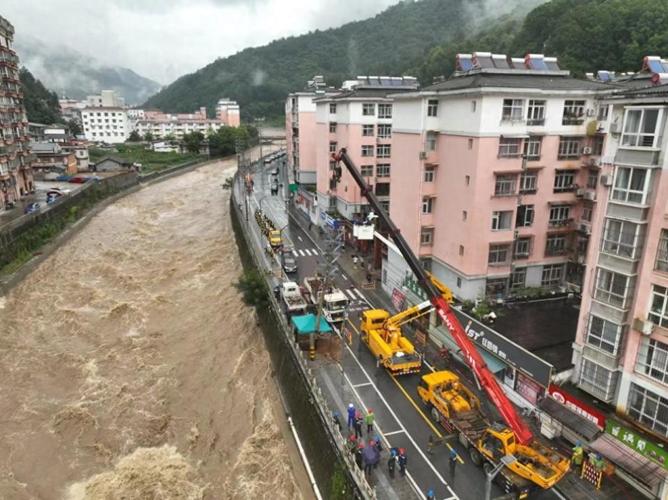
{"x": 325, "y": 413}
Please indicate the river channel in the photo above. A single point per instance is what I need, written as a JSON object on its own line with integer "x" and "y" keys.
{"x": 130, "y": 368}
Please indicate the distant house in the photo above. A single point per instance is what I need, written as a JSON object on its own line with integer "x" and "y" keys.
{"x": 165, "y": 147}
{"x": 50, "y": 157}
{"x": 112, "y": 164}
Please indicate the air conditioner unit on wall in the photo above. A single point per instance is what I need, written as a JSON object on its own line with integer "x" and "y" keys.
{"x": 586, "y": 150}
{"x": 590, "y": 195}
{"x": 643, "y": 326}
{"x": 606, "y": 180}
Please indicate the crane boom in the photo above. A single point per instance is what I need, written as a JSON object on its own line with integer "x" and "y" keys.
{"x": 473, "y": 358}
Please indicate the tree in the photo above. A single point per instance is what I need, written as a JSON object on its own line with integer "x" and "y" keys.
{"x": 148, "y": 136}
{"x": 74, "y": 127}
{"x": 193, "y": 141}
{"x": 41, "y": 104}
{"x": 170, "y": 137}
{"x": 134, "y": 137}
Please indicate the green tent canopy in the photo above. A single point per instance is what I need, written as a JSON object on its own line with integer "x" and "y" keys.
{"x": 305, "y": 325}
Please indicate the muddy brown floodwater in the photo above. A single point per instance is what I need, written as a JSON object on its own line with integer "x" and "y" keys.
{"x": 131, "y": 369}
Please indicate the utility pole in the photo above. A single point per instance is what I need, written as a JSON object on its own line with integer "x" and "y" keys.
{"x": 311, "y": 340}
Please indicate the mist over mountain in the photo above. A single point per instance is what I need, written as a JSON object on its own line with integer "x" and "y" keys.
{"x": 390, "y": 43}
{"x": 73, "y": 74}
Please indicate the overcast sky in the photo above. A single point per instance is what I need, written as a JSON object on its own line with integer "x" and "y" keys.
{"x": 163, "y": 39}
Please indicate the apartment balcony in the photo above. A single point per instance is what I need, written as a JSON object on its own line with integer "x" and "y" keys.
{"x": 429, "y": 157}
{"x": 428, "y": 189}
{"x": 591, "y": 163}
{"x": 573, "y": 120}
{"x": 561, "y": 225}
{"x": 535, "y": 122}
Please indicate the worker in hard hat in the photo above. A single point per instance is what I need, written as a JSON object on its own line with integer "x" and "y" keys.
{"x": 578, "y": 454}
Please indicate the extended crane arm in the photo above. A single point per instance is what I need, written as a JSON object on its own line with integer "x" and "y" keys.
{"x": 409, "y": 314}
{"x": 471, "y": 355}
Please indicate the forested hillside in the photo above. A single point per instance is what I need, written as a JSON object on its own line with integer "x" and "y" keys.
{"x": 41, "y": 104}
{"x": 388, "y": 44}
{"x": 586, "y": 35}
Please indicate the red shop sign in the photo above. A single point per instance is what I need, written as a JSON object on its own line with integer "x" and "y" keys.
{"x": 577, "y": 406}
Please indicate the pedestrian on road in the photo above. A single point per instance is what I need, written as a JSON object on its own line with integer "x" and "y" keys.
{"x": 430, "y": 444}
{"x": 377, "y": 443}
{"x": 310, "y": 225}
{"x": 578, "y": 454}
{"x": 452, "y": 462}
{"x": 336, "y": 421}
{"x": 368, "y": 420}
{"x": 352, "y": 443}
{"x": 354, "y": 260}
{"x": 403, "y": 462}
{"x": 359, "y": 455}
{"x": 358, "y": 424}
{"x": 392, "y": 462}
{"x": 430, "y": 495}
{"x": 351, "y": 416}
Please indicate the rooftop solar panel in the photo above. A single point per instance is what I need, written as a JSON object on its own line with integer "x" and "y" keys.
{"x": 483, "y": 59}
{"x": 604, "y": 76}
{"x": 500, "y": 61}
{"x": 464, "y": 62}
{"x": 535, "y": 62}
{"x": 551, "y": 63}
{"x": 664, "y": 63}
{"x": 653, "y": 64}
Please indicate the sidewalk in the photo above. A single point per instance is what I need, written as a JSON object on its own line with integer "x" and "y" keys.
{"x": 572, "y": 486}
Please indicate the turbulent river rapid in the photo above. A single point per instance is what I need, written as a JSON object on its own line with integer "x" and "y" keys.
{"x": 130, "y": 368}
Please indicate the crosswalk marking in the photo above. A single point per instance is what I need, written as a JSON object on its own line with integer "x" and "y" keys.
{"x": 294, "y": 252}
{"x": 307, "y": 251}
{"x": 315, "y": 252}
{"x": 301, "y": 252}
{"x": 351, "y": 294}
{"x": 359, "y": 294}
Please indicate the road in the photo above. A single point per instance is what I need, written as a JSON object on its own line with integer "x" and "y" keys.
{"x": 400, "y": 416}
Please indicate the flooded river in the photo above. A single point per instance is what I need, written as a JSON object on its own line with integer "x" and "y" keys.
{"x": 131, "y": 369}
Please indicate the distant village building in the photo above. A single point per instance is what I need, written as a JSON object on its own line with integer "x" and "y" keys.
{"x": 50, "y": 157}
{"x": 80, "y": 150}
{"x": 106, "y": 99}
{"x": 113, "y": 164}
{"x": 227, "y": 111}
{"x": 165, "y": 147}
{"x": 165, "y": 125}
{"x": 16, "y": 177}
{"x": 106, "y": 124}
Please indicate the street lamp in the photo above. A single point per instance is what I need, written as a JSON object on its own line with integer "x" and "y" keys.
{"x": 490, "y": 475}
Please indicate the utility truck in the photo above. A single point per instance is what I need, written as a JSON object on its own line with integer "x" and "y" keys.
{"x": 292, "y": 298}
{"x": 515, "y": 442}
{"x": 334, "y": 301}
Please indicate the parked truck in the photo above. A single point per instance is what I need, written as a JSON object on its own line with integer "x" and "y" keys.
{"x": 292, "y": 298}
{"x": 457, "y": 409}
{"x": 334, "y": 301}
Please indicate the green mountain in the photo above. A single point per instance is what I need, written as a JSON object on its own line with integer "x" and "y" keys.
{"x": 586, "y": 36}
{"x": 41, "y": 104}
{"x": 390, "y": 43}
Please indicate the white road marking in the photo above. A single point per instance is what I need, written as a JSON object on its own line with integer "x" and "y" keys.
{"x": 307, "y": 251}
{"x": 363, "y": 384}
{"x": 350, "y": 293}
{"x": 299, "y": 238}
{"x": 360, "y": 294}
{"x": 301, "y": 252}
{"x": 393, "y": 432}
{"x": 344, "y": 276}
{"x": 294, "y": 252}
{"x": 315, "y": 252}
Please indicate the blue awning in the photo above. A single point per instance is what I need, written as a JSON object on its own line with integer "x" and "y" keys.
{"x": 305, "y": 324}
{"x": 494, "y": 363}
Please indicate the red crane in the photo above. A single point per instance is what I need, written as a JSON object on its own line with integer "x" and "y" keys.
{"x": 472, "y": 356}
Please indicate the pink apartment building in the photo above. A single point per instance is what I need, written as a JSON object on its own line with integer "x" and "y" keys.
{"x": 621, "y": 348}
{"x": 359, "y": 118}
{"x": 493, "y": 175}
{"x": 227, "y": 111}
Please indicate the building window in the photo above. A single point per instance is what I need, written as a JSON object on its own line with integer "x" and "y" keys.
{"x": 570, "y": 148}
{"x": 574, "y": 112}
{"x": 367, "y": 150}
{"x": 597, "y": 145}
{"x": 559, "y": 215}
{"x": 461, "y": 249}
{"x": 465, "y": 215}
{"x": 653, "y": 359}
{"x": 513, "y": 110}
{"x": 467, "y": 179}
{"x": 505, "y": 185}
{"x": 427, "y": 205}
{"x": 536, "y": 112}
{"x": 332, "y": 165}
{"x": 648, "y": 408}
{"x": 385, "y": 205}
{"x": 552, "y": 275}
{"x": 509, "y": 147}
{"x": 332, "y": 108}
{"x": 427, "y": 236}
{"x": 662, "y": 252}
{"x": 474, "y": 106}
{"x": 501, "y": 221}
{"x": 470, "y": 143}
{"x": 564, "y": 181}
{"x": 640, "y": 128}
{"x": 524, "y": 217}
{"x": 555, "y": 245}
{"x": 586, "y": 214}
{"x": 429, "y": 174}
{"x": 518, "y": 278}
{"x": 383, "y": 170}
{"x": 498, "y": 254}
{"x": 368, "y": 109}
{"x": 495, "y": 287}
{"x": 592, "y": 180}
{"x": 367, "y": 170}
{"x": 522, "y": 248}
{"x": 384, "y": 111}
{"x": 532, "y": 148}
{"x": 612, "y": 288}
{"x": 658, "y": 313}
{"x": 603, "y": 334}
{"x": 602, "y": 114}
{"x": 431, "y": 141}
{"x": 385, "y": 131}
{"x": 367, "y": 130}
{"x": 631, "y": 184}
{"x": 528, "y": 182}
{"x": 597, "y": 380}
{"x": 382, "y": 188}
{"x": 459, "y": 282}
{"x": 622, "y": 238}
{"x": 384, "y": 150}
{"x": 432, "y": 107}
{"x": 332, "y": 146}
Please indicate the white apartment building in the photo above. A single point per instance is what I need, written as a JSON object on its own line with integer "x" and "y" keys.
{"x": 106, "y": 124}
{"x": 176, "y": 127}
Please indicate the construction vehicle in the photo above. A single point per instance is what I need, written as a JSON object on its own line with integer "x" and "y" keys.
{"x": 553, "y": 466}
{"x": 269, "y": 230}
{"x": 292, "y": 298}
{"x": 383, "y": 336}
{"x": 334, "y": 302}
{"x": 458, "y": 410}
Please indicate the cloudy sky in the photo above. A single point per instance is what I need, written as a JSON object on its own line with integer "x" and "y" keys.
{"x": 163, "y": 39}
